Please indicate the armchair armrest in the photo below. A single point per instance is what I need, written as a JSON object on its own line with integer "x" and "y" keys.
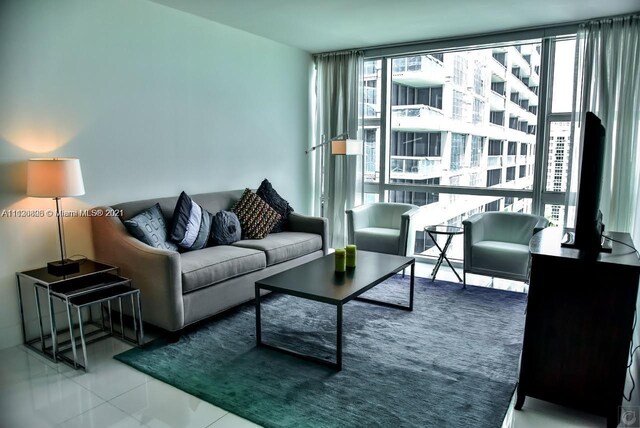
{"x": 473, "y": 229}
{"x": 473, "y": 232}
{"x": 155, "y": 272}
{"x": 311, "y": 224}
{"x": 357, "y": 218}
{"x": 541, "y": 224}
{"x": 407, "y": 232}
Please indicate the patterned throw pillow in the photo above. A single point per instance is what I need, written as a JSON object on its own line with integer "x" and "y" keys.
{"x": 149, "y": 227}
{"x": 191, "y": 224}
{"x": 256, "y": 217}
{"x": 268, "y": 194}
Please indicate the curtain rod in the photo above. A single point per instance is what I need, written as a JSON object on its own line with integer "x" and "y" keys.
{"x": 341, "y": 52}
{"x": 523, "y": 33}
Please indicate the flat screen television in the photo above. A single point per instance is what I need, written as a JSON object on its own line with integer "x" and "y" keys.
{"x": 589, "y": 227}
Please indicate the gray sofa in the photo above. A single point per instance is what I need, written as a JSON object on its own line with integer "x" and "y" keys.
{"x": 179, "y": 289}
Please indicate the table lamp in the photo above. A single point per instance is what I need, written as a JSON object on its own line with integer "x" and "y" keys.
{"x": 56, "y": 178}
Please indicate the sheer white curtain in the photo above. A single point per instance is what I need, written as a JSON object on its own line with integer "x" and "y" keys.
{"x": 338, "y": 93}
{"x": 609, "y": 85}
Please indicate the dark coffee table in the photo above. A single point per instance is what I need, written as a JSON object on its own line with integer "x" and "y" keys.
{"x": 317, "y": 280}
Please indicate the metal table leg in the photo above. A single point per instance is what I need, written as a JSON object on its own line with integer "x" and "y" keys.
{"x": 82, "y": 340}
{"x": 140, "y": 326}
{"x": 258, "y": 318}
{"x": 72, "y": 336}
{"x": 412, "y": 284}
{"x": 54, "y": 328}
{"x": 121, "y": 319}
{"x": 24, "y": 330}
{"x": 442, "y": 257}
{"x": 39, "y": 312}
{"x": 339, "y": 337}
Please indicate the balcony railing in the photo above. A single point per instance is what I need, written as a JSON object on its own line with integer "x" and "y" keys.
{"x": 496, "y": 101}
{"x": 417, "y": 117}
{"x": 494, "y": 161}
{"x": 415, "y": 168}
{"x": 418, "y": 70}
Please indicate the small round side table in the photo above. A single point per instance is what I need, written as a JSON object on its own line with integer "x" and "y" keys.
{"x": 450, "y": 232}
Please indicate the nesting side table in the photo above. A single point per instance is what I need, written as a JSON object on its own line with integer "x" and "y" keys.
{"x": 94, "y": 284}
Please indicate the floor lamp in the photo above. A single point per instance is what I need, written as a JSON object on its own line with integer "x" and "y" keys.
{"x": 56, "y": 178}
{"x": 341, "y": 145}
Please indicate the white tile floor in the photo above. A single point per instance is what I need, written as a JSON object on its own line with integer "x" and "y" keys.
{"x": 35, "y": 392}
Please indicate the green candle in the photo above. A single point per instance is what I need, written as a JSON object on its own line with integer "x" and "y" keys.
{"x": 340, "y": 256}
{"x": 351, "y": 256}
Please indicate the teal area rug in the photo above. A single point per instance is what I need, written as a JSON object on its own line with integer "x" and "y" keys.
{"x": 452, "y": 362}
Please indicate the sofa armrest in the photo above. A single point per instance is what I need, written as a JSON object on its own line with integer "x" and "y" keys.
{"x": 407, "y": 232}
{"x": 311, "y": 224}
{"x": 155, "y": 272}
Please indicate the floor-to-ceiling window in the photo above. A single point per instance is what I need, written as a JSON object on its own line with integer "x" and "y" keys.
{"x": 456, "y": 132}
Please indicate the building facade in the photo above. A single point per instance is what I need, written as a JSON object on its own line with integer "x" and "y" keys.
{"x": 462, "y": 119}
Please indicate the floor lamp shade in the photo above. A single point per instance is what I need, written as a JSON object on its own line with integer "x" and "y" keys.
{"x": 56, "y": 178}
{"x": 346, "y": 147}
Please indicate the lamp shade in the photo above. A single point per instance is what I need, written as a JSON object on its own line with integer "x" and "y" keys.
{"x": 346, "y": 147}
{"x": 54, "y": 178}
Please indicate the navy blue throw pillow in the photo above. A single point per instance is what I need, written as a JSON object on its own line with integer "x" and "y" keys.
{"x": 191, "y": 224}
{"x": 268, "y": 194}
{"x": 225, "y": 228}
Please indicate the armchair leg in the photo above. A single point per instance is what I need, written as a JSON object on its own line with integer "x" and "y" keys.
{"x": 464, "y": 278}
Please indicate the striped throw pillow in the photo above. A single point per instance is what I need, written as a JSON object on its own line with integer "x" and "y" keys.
{"x": 191, "y": 224}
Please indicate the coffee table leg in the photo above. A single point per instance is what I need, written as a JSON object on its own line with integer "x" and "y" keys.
{"x": 258, "y": 320}
{"x": 411, "y": 286}
{"x": 339, "y": 337}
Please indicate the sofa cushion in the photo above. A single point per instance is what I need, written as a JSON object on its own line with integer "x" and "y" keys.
{"x": 148, "y": 226}
{"x": 256, "y": 217}
{"x": 378, "y": 239}
{"x": 501, "y": 257}
{"x": 215, "y": 264}
{"x": 268, "y": 194}
{"x": 280, "y": 247}
{"x": 191, "y": 224}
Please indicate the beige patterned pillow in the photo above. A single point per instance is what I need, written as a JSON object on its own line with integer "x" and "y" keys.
{"x": 256, "y": 217}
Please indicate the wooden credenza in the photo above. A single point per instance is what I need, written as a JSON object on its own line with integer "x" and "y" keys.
{"x": 579, "y": 325}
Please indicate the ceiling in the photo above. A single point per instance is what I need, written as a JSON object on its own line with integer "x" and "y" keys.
{"x": 329, "y": 25}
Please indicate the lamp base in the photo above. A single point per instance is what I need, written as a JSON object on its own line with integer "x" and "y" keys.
{"x": 63, "y": 267}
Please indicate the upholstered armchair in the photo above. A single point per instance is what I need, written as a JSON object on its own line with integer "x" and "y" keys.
{"x": 496, "y": 244}
{"x": 382, "y": 227}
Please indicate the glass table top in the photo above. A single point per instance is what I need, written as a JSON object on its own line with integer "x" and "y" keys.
{"x": 87, "y": 267}
{"x": 444, "y": 229}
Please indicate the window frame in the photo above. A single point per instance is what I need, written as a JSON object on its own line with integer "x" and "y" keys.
{"x": 538, "y": 194}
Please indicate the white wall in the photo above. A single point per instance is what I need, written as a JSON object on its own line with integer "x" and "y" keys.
{"x": 153, "y": 101}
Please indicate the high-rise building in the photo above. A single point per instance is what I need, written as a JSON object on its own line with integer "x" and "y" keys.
{"x": 558, "y": 167}
{"x": 464, "y": 119}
